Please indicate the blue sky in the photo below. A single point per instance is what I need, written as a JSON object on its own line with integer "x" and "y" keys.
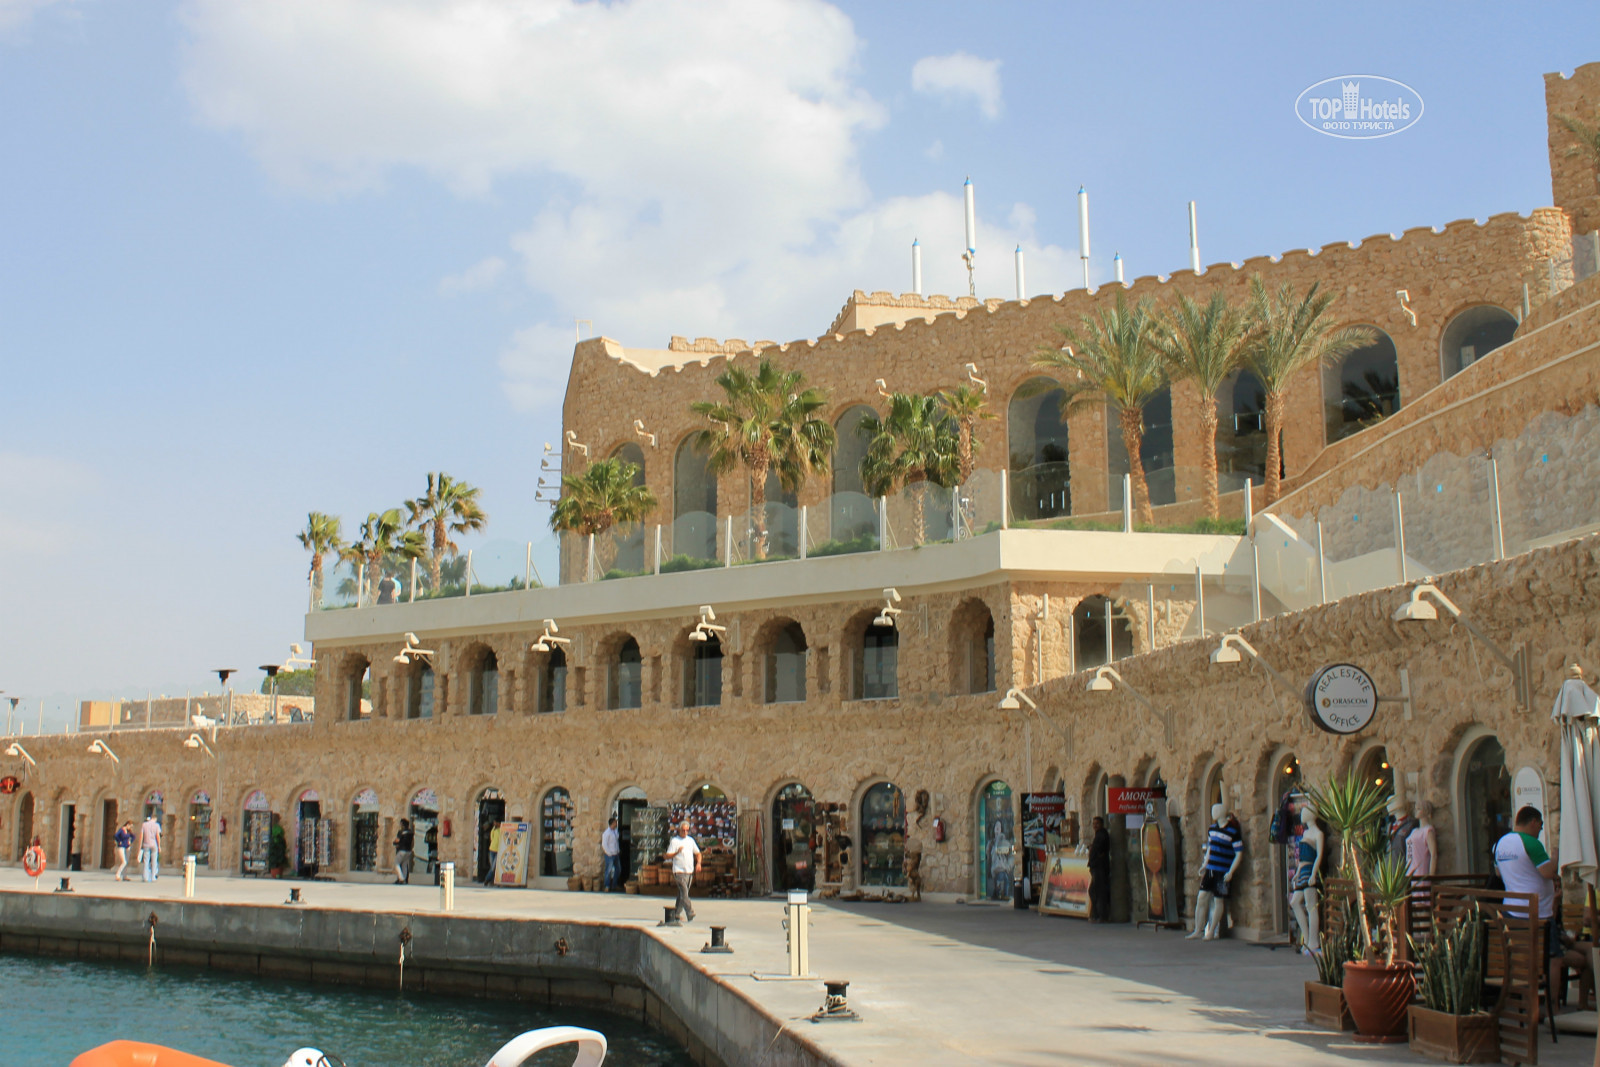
{"x": 257, "y": 259}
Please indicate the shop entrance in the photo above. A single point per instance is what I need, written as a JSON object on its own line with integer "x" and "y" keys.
{"x": 69, "y": 858}
{"x": 200, "y": 828}
{"x": 255, "y": 834}
{"x": 1286, "y": 781}
{"x": 630, "y": 800}
{"x": 794, "y": 817}
{"x": 491, "y": 813}
{"x": 996, "y": 838}
{"x": 883, "y": 835}
{"x": 425, "y": 827}
{"x": 1485, "y": 803}
{"x": 364, "y": 831}
{"x": 24, "y": 824}
{"x": 308, "y": 821}
{"x": 108, "y": 834}
{"x": 555, "y": 834}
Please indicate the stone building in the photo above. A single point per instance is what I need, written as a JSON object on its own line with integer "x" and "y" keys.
{"x": 864, "y": 689}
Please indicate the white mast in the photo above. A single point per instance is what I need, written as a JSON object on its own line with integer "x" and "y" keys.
{"x": 1116, "y": 261}
{"x": 971, "y": 254}
{"x": 1194, "y": 241}
{"x": 1083, "y": 232}
{"x": 916, "y": 266}
{"x": 1022, "y": 288}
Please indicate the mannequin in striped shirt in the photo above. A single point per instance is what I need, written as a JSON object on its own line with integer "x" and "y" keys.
{"x": 1219, "y": 859}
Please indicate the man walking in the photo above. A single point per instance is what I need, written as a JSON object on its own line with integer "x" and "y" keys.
{"x": 1100, "y": 873}
{"x": 150, "y": 847}
{"x": 611, "y": 853}
{"x": 685, "y": 856}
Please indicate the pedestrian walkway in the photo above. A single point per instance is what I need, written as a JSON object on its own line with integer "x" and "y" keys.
{"x": 937, "y": 983}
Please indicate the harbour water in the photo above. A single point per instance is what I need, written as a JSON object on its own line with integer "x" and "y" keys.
{"x": 57, "y": 1008}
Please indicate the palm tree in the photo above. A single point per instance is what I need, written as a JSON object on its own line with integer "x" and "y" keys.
{"x": 764, "y": 422}
{"x": 602, "y": 496}
{"x": 1290, "y": 332}
{"x": 448, "y": 507}
{"x": 965, "y": 406}
{"x": 1113, "y": 362}
{"x": 384, "y": 541}
{"x": 321, "y": 536}
{"x": 1203, "y": 343}
{"x": 915, "y": 443}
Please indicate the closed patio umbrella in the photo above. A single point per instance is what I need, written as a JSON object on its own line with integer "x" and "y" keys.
{"x": 1575, "y": 710}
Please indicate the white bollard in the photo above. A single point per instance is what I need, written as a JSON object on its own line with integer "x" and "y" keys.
{"x": 799, "y": 937}
{"x": 188, "y": 877}
{"x": 447, "y": 887}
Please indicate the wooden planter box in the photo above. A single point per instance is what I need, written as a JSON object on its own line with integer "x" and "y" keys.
{"x": 1454, "y": 1038}
{"x": 1325, "y": 1007}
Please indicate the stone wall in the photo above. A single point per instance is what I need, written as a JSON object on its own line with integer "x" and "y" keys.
{"x": 1574, "y": 183}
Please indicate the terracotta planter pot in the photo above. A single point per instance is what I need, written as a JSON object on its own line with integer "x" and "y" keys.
{"x": 1378, "y": 995}
{"x": 1325, "y": 1007}
{"x": 1454, "y": 1038}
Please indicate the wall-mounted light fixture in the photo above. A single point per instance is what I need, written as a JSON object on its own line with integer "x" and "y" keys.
{"x": 1405, "y": 304}
{"x": 196, "y": 741}
{"x": 572, "y": 439}
{"x": 17, "y": 751}
{"x": 413, "y": 651}
{"x": 707, "y": 625}
{"x": 1014, "y": 701}
{"x": 297, "y": 659}
{"x": 972, "y": 376}
{"x": 1229, "y": 651}
{"x": 638, "y": 428}
{"x": 549, "y": 638}
{"x": 105, "y": 750}
{"x": 1106, "y": 679}
{"x": 891, "y": 597}
{"x": 1418, "y": 609}
{"x": 883, "y": 387}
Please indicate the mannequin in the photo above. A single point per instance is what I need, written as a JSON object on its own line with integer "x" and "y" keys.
{"x": 1220, "y": 854}
{"x": 1422, "y": 850}
{"x": 1308, "y": 867}
{"x": 1400, "y": 826}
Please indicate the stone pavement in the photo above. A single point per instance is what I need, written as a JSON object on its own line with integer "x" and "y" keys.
{"x": 937, "y": 983}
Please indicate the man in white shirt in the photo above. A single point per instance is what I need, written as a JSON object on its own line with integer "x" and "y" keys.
{"x": 1525, "y": 867}
{"x": 685, "y": 856}
{"x": 611, "y": 852}
{"x": 150, "y": 848}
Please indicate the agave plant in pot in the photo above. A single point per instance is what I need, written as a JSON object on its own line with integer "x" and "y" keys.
{"x": 1325, "y": 1004}
{"x": 1450, "y": 1023}
{"x": 1376, "y": 988}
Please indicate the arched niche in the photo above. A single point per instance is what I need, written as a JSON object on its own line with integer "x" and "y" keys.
{"x": 1361, "y": 389}
{"x": 1472, "y": 334}
{"x": 1036, "y": 437}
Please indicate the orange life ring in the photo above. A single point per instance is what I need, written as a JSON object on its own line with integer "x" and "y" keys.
{"x": 33, "y": 861}
{"x": 138, "y": 1054}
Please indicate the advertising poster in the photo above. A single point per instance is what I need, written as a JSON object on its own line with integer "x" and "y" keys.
{"x": 1042, "y": 815}
{"x": 511, "y": 863}
{"x": 1066, "y": 886}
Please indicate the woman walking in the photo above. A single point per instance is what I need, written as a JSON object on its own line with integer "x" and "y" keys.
{"x": 123, "y": 839}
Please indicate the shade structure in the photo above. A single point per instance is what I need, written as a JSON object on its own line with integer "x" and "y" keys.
{"x": 1575, "y": 711}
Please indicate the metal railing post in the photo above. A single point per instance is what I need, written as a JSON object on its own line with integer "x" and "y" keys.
{"x": 1110, "y": 648}
{"x": 883, "y": 524}
{"x": 1322, "y": 567}
{"x": 1249, "y": 507}
{"x": 1005, "y": 498}
{"x": 1400, "y": 535}
{"x": 413, "y": 597}
{"x": 805, "y": 531}
{"x": 657, "y": 567}
{"x": 588, "y": 569}
{"x": 1127, "y": 503}
{"x": 468, "y": 575}
{"x": 727, "y": 541}
{"x": 1200, "y": 599}
{"x": 1150, "y": 611}
{"x": 361, "y": 583}
{"x": 1494, "y": 496}
{"x": 1255, "y": 580}
{"x": 527, "y": 569}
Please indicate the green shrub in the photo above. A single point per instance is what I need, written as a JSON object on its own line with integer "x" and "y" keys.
{"x": 866, "y": 542}
{"x": 674, "y": 564}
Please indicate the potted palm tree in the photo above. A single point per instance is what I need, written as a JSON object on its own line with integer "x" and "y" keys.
{"x": 1203, "y": 344}
{"x": 321, "y": 536}
{"x": 448, "y": 507}
{"x": 915, "y": 444}
{"x": 1450, "y": 1024}
{"x": 602, "y": 496}
{"x": 1376, "y": 988}
{"x": 1325, "y": 1003}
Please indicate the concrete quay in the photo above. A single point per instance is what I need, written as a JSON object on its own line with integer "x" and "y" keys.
{"x": 934, "y": 983}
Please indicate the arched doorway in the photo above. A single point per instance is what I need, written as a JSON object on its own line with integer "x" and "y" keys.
{"x": 553, "y": 681}
{"x": 1473, "y": 334}
{"x": 1100, "y": 634}
{"x": 1484, "y": 803}
{"x": 628, "y": 540}
{"x": 883, "y": 835}
{"x": 419, "y": 691}
{"x": 996, "y": 836}
{"x": 483, "y": 685}
{"x": 626, "y": 676}
{"x": 255, "y": 834}
{"x": 491, "y": 812}
{"x": 850, "y": 511}
{"x": 1287, "y": 780}
{"x": 794, "y": 817}
{"x": 425, "y": 828}
{"x": 24, "y": 824}
{"x": 199, "y": 836}
{"x": 1361, "y": 389}
{"x": 364, "y": 831}
{"x": 786, "y": 666}
{"x": 555, "y": 836}
{"x": 879, "y": 676}
{"x": 1241, "y": 432}
{"x": 702, "y": 672}
{"x": 1036, "y": 435}
{"x": 308, "y": 857}
{"x": 628, "y": 802}
{"x": 694, "y": 504}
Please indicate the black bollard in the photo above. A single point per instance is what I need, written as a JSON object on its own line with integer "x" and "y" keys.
{"x": 65, "y": 886}
{"x": 718, "y": 941}
{"x": 294, "y": 896}
{"x": 671, "y": 918}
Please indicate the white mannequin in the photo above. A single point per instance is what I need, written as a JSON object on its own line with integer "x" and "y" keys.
{"x": 1304, "y": 899}
{"x": 1400, "y": 826}
{"x": 1208, "y": 906}
{"x": 1422, "y": 846}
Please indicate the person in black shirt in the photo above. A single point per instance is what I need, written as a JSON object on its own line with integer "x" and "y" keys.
{"x": 404, "y": 841}
{"x": 1100, "y": 873}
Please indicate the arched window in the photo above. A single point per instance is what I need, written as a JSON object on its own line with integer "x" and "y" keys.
{"x": 364, "y": 831}
{"x": 878, "y": 668}
{"x": 358, "y": 690}
{"x": 255, "y": 833}
{"x": 996, "y": 838}
{"x": 1155, "y": 451}
{"x": 794, "y": 820}
{"x": 1100, "y": 633}
{"x": 883, "y": 835}
{"x": 1362, "y": 388}
{"x": 1036, "y": 435}
{"x": 553, "y": 681}
{"x": 702, "y": 673}
{"x": 972, "y": 648}
{"x": 694, "y": 504}
{"x": 1473, "y": 334}
{"x": 555, "y": 839}
{"x": 1241, "y": 432}
{"x": 627, "y": 676}
{"x": 1485, "y": 803}
{"x": 786, "y": 666}
{"x": 483, "y": 690}
{"x": 629, "y": 540}
{"x": 199, "y": 839}
{"x": 851, "y": 511}
{"x": 419, "y": 691}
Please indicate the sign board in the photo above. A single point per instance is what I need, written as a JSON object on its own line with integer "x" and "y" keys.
{"x": 1527, "y": 790}
{"x": 9, "y": 784}
{"x": 1341, "y": 699}
{"x": 511, "y": 862}
{"x": 1066, "y": 886}
{"x": 1127, "y": 801}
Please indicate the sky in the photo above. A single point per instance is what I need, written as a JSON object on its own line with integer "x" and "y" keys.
{"x": 258, "y": 259}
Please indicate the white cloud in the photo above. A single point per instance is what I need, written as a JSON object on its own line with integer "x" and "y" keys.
{"x": 480, "y": 275}
{"x": 16, "y": 13}
{"x": 959, "y": 75}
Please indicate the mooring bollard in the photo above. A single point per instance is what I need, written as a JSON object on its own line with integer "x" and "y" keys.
{"x": 835, "y": 1005}
{"x": 447, "y": 887}
{"x": 294, "y": 896}
{"x": 65, "y": 886}
{"x": 188, "y": 877}
{"x": 718, "y": 941}
{"x": 796, "y": 922}
{"x": 671, "y": 917}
